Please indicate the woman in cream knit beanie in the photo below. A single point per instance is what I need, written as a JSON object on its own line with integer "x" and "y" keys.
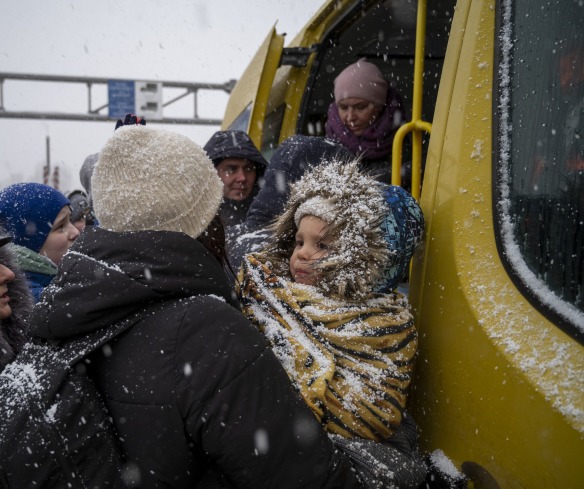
{"x": 188, "y": 354}
{"x": 150, "y": 179}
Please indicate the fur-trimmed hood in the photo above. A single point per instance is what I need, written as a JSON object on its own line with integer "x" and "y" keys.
{"x": 13, "y": 330}
{"x": 373, "y": 229}
{"x": 358, "y": 251}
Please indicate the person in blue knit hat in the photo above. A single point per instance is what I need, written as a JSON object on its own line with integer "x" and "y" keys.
{"x": 38, "y": 218}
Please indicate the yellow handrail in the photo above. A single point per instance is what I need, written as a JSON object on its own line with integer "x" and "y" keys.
{"x": 416, "y": 125}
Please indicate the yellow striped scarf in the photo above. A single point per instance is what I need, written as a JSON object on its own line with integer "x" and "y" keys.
{"x": 352, "y": 363}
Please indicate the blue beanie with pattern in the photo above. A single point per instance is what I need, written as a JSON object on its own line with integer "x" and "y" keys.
{"x": 27, "y": 212}
{"x": 403, "y": 228}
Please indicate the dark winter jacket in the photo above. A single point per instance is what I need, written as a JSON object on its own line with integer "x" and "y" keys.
{"x": 193, "y": 388}
{"x": 13, "y": 330}
{"x": 37, "y": 282}
{"x": 290, "y": 161}
{"x": 236, "y": 144}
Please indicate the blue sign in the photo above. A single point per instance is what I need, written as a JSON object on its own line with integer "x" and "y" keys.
{"x": 121, "y": 98}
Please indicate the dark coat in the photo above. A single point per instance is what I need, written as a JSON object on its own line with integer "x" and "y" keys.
{"x": 193, "y": 388}
{"x": 13, "y": 330}
{"x": 236, "y": 144}
{"x": 37, "y": 282}
{"x": 290, "y": 161}
{"x": 233, "y": 212}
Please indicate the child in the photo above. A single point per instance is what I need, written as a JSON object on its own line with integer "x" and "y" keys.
{"x": 322, "y": 294}
{"x": 38, "y": 219}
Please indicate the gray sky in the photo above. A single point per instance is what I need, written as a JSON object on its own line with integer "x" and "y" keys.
{"x": 172, "y": 40}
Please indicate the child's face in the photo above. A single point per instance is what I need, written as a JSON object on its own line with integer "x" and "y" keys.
{"x": 61, "y": 237}
{"x": 309, "y": 248}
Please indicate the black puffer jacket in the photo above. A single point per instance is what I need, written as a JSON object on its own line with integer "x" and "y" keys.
{"x": 13, "y": 330}
{"x": 193, "y": 388}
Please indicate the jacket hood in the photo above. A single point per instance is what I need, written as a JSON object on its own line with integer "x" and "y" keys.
{"x": 13, "y": 330}
{"x": 234, "y": 144}
{"x": 294, "y": 157}
{"x": 353, "y": 206}
{"x": 373, "y": 229}
{"x": 106, "y": 276}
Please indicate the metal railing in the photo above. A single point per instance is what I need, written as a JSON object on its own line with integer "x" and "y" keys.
{"x": 416, "y": 126}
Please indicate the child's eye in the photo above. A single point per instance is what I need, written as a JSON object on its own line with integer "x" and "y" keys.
{"x": 299, "y": 243}
{"x": 322, "y": 246}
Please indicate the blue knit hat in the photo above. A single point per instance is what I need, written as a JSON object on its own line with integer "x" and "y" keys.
{"x": 403, "y": 228}
{"x": 27, "y": 212}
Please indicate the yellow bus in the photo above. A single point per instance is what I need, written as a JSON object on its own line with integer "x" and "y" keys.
{"x": 496, "y": 94}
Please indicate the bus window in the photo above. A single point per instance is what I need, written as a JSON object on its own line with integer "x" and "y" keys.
{"x": 541, "y": 154}
{"x": 272, "y": 126}
{"x": 242, "y": 120}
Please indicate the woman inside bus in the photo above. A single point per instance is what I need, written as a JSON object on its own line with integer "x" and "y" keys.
{"x": 365, "y": 116}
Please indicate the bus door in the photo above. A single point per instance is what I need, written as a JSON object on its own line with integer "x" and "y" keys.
{"x": 247, "y": 104}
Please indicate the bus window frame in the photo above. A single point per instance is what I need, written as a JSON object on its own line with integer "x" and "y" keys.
{"x": 500, "y": 170}
{"x": 241, "y": 122}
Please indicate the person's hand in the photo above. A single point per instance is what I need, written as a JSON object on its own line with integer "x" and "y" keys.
{"x": 131, "y": 120}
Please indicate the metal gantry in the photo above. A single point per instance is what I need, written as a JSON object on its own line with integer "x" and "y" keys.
{"x": 94, "y": 114}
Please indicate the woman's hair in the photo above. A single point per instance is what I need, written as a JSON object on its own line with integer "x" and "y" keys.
{"x": 213, "y": 239}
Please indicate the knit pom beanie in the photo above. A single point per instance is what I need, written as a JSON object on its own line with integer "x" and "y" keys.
{"x": 150, "y": 179}
{"x": 361, "y": 80}
{"x": 27, "y": 212}
{"x": 403, "y": 230}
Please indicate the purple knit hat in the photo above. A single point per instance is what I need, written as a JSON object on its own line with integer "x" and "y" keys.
{"x": 361, "y": 80}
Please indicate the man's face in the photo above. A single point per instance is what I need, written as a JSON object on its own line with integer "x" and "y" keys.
{"x": 238, "y": 177}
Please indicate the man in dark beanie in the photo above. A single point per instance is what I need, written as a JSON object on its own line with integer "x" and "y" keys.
{"x": 241, "y": 168}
